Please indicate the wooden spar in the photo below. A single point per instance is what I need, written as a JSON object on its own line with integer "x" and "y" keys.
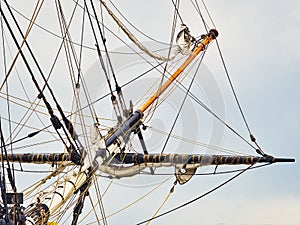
{"x": 132, "y": 158}
{"x": 134, "y": 119}
{"x": 201, "y": 159}
{"x": 207, "y": 39}
{"x": 43, "y": 158}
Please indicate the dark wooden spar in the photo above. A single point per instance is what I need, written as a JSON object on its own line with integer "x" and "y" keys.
{"x": 132, "y": 158}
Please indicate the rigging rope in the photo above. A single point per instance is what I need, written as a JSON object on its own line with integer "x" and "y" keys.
{"x": 27, "y": 65}
{"x": 97, "y": 203}
{"x": 154, "y": 106}
{"x": 259, "y": 150}
{"x": 85, "y": 46}
{"x": 7, "y": 99}
{"x": 34, "y": 16}
{"x": 133, "y": 38}
{"x": 252, "y": 138}
{"x": 104, "y": 44}
{"x": 54, "y": 119}
{"x": 183, "y": 101}
{"x": 177, "y": 11}
{"x": 84, "y": 191}
{"x": 208, "y": 13}
{"x": 198, "y": 101}
{"x": 2, "y": 175}
{"x": 131, "y": 24}
{"x": 196, "y": 5}
{"x": 66, "y": 39}
{"x": 102, "y": 19}
{"x": 137, "y": 200}
{"x": 97, "y": 100}
{"x": 163, "y": 203}
{"x": 33, "y": 110}
{"x": 188, "y": 140}
{"x": 113, "y": 97}
{"x": 118, "y": 88}
{"x": 70, "y": 52}
{"x": 208, "y": 174}
{"x": 196, "y": 199}
{"x": 81, "y": 48}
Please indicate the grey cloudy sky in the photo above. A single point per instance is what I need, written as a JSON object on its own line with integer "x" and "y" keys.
{"x": 259, "y": 40}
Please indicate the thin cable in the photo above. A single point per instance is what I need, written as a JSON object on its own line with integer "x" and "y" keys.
{"x": 102, "y": 19}
{"x": 120, "y": 105}
{"x": 199, "y": 11}
{"x": 259, "y": 150}
{"x": 55, "y": 121}
{"x": 198, "y": 101}
{"x": 67, "y": 122}
{"x": 101, "y": 205}
{"x": 163, "y": 203}
{"x": 154, "y": 106}
{"x": 68, "y": 40}
{"x": 205, "y": 25}
{"x": 94, "y": 102}
{"x": 2, "y": 176}
{"x": 137, "y": 29}
{"x": 183, "y": 101}
{"x": 98, "y": 50}
{"x": 137, "y": 200}
{"x": 27, "y": 112}
{"x": 85, "y": 46}
{"x": 208, "y": 13}
{"x": 70, "y": 51}
{"x": 104, "y": 44}
{"x": 50, "y": 110}
{"x": 208, "y": 174}
{"x": 34, "y": 16}
{"x": 81, "y": 47}
{"x": 133, "y": 38}
{"x": 75, "y": 43}
{"x": 177, "y": 10}
{"x": 196, "y": 199}
{"x": 7, "y": 95}
{"x": 198, "y": 143}
{"x": 232, "y": 88}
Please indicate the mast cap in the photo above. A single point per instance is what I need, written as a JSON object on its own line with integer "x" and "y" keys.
{"x": 214, "y": 33}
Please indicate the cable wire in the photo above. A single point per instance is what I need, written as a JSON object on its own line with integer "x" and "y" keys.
{"x": 259, "y": 150}
{"x": 196, "y": 199}
{"x": 182, "y": 103}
